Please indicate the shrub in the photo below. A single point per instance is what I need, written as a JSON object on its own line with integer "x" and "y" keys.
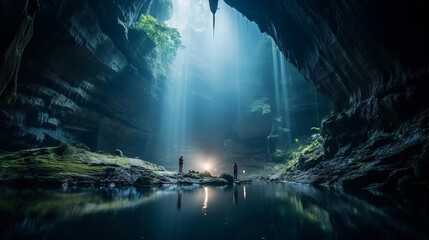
{"x": 166, "y": 38}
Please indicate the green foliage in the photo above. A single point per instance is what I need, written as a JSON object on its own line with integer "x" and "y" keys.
{"x": 305, "y": 150}
{"x": 312, "y": 146}
{"x": 166, "y": 38}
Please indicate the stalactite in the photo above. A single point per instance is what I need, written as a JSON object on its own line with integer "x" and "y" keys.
{"x": 213, "y": 9}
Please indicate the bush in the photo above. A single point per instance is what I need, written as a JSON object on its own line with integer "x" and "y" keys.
{"x": 166, "y": 38}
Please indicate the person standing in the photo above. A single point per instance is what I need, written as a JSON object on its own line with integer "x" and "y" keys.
{"x": 181, "y": 160}
{"x": 235, "y": 169}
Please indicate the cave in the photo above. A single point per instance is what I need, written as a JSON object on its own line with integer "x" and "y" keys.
{"x": 208, "y": 119}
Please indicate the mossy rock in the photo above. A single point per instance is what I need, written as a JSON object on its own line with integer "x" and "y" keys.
{"x": 74, "y": 166}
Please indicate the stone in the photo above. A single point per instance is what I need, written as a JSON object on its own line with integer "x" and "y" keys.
{"x": 73, "y": 166}
{"x": 62, "y": 148}
{"x": 229, "y": 178}
{"x": 81, "y": 146}
{"x": 205, "y": 174}
{"x": 119, "y": 153}
{"x": 214, "y": 182}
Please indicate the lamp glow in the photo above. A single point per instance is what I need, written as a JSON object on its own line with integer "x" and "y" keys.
{"x": 244, "y": 171}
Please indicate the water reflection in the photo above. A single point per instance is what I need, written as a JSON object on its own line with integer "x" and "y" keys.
{"x": 235, "y": 196}
{"x": 244, "y": 192}
{"x": 206, "y": 199}
{"x": 274, "y": 211}
{"x": 179, "y": 200}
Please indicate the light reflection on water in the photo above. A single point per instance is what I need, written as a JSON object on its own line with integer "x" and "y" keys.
{"x": 206, "y": 199}
{"x": 259, "y": 210}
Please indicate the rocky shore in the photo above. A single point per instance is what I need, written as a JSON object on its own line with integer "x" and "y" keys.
{"x": 67, "y": 165}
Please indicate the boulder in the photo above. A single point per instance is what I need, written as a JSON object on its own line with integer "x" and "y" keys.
{"x": 119, "y": 153}
{"x": 214, "y": 181}
{"x": 81, "y": 146}
{"x": 227, "y": 177}
{"x": 205, "y": 174}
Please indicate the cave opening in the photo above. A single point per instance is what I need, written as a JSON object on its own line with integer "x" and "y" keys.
{"x": 233, "y": 97}
{"x": 292, "y": 119}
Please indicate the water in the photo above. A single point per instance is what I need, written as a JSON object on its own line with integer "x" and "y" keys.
{"x": 252, "y": 211}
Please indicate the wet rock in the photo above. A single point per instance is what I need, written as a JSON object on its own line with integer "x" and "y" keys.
{"x": 205, "y": 174}
{"x": 227, "y": 177}
{"x": 192, "y": 174}
{"x": 81, "y": 146}
{"x": 244, "y": 181}
{"x": 311, "y": 159}
{"x": 103, "y": 152}
{"x": 214, "y": 182}
{"x": 119, "y": 153}
{"x": 62, "y": 148}
{"x": 76, "y": 167}
{"x": 383, "y": 162}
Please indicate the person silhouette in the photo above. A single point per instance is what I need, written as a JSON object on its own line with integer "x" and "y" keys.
{"x": 235, "y": 169}
{"x": 181, "y": 160}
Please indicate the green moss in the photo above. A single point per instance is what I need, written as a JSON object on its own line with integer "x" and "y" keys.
{"x": 45, "y": 162}
{"x": 291, "y": 164}
{"x": 303, "y": 156}
{"x": 64, "y": 162}
{"x": 312, "y": 146}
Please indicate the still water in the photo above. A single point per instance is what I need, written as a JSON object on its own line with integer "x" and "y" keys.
{"x": 251, "y": 211}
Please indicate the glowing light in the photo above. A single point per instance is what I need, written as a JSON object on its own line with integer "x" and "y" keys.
{"x": 244, "y": 192}
{"x": 206, "y": 199}
{"x": 207, "y": 166}
{"x": 244, "y": 171}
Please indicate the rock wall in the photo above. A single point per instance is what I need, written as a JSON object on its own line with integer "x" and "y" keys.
{"x": 15, "y": 36}
{"x": 86, "y": 76}
{"x": 371, "y": 60}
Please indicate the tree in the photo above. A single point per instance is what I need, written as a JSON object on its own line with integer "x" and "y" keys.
{"x": 166, "y": 38}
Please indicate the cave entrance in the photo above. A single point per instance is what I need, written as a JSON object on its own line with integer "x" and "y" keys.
{"x": 232, "y": 96}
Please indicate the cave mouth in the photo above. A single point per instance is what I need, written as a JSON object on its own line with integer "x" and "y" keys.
{"x": 99, "y": 98}
{"x": 232, "y": 95}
